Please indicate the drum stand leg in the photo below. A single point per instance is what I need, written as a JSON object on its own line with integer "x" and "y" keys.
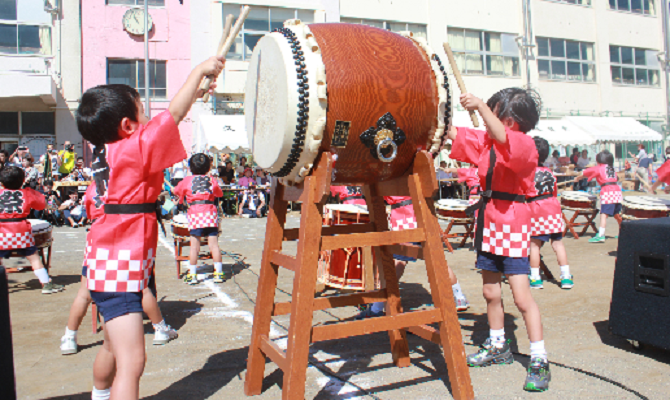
{"x": 468, "y": 231}
{"x": 446, "y": 235}
{"x": 313, "y": 238}
{"x": 177, "y": 253}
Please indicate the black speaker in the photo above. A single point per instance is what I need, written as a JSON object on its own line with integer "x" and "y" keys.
{"x": 640, "y": 307}
{"x": 7, "y": 382}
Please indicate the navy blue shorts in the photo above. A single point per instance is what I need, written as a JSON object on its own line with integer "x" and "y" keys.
{"x": 28, "y": 251}
{"x": 610, "y": 209}
{"x": 506, "y": 265}
{"x": 205, "y": 232}
{"x": 548, "y": 237}
{"x": 117, "y": 304}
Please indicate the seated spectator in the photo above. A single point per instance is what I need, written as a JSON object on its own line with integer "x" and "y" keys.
{"x": 252, "y": 204}
{"x": 32, "y": 174}
{"x": 53, "y": 201}
{"x": 552, "y": 162}
{"x": 261, "y": 179}
{"x": 248, "y": 179}
{"x": 80, "y": 174}
{"x": 74, "y": 211}
{"x": 241, "y": 167}
{"x": 228, "y": 175}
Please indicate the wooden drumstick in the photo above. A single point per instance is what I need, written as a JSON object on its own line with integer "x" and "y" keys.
{"x": 222, "y": 42}
{"x": 223, "y": 50}
{"x": 459, "y": 80}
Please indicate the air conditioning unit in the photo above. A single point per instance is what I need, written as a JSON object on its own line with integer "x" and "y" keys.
{"x": 52, "y": 6}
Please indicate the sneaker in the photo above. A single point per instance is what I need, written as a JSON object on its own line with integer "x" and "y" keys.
{"x": 489, "y": 354}
{"x": 462, "y": 304}
{"x": 51, "y": 287}
{"x": 219, "y": 277}
{"x": 536, "y": 283}
{"x": 68, "y": 345}
{"x": 567, "y": 282}
{"x": 164, "y": 335}
{"x": 368, "y": 313}
{"x": 538, "y": 375}
{"x": 597, "y": 239}
{"x": 75, "y": 226}
{"x": 191, "y": 279}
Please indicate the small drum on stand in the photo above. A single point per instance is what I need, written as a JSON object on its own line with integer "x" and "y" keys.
{"x": 43, "y": 240}
{"x": 578, "y": 201}
{"x": 352, "y": 268}
{"x": 644, "y": 207}
{"x": 581, "y": 204}
{"x": 453, "y": 210}
{"x": 182, "y": 238}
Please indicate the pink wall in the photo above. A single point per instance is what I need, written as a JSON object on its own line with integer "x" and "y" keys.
{"x": 103, "y": 37}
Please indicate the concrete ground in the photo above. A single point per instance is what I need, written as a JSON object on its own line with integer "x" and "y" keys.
{"x": 208, "y": 361}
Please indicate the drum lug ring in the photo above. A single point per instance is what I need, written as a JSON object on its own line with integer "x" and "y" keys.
{"x": 385, "y": 134}
{"x": 386, "y": 143}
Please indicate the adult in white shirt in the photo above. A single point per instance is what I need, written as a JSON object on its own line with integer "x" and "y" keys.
{"x": 178, "y": 173}
{"x": 447, "y": 189}
{"x": 582, "y": 163}
{"x": 552, "y": 162}
{"x": 642, "y": 153}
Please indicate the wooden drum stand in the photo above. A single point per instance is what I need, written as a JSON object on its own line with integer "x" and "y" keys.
{"x": 312, "y": 238}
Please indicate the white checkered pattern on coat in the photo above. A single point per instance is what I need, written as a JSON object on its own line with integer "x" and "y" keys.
{"x": 87, "y": 250}
{"x": 119, "y": 274}
{"x": 203, "y": 220}
{"x": 404, "y": 223}
{"x": 12, "y": 241}
{"x": 499, "y": 239}
{"x": 611, "y": 197}
{"x": 547, "y": 225}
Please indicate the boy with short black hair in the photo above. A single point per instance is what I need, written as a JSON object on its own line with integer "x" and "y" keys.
{"x": 16, "y": 234}
{"x": 507, "y": 159}
{"x": 201, "y": 191}
{"x": 129, "y": 156}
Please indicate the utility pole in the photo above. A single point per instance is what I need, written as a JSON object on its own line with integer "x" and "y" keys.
{"x": 666, "y": 70}
{"x": 527, "y": 39}
{"x": 147, "y": 100}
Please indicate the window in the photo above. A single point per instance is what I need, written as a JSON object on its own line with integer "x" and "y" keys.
{"x": 32, "y": 123}
{"x": 8, "y": 10}
{"x": 260, "y": 21}
{"x": 635, "y": 6}
{"x": 485, "y": 53}
{"x": 21, "y": 38}
{"x": 419, "y": 30}
{"x": 9, "y": 123}
{"x": 580, "y": 2}
{"x": 633, "y": 66}
{"x": 131, "y": 73}
{"x": 152, "y": 3}
{"x": 565, "y": 60}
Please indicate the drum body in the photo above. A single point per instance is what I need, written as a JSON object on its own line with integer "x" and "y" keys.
{"x": 180, "y": 231}
{"x": 371, "y": 97}
{"x": 578, "y": 201}
{"x": 452, "y": 209}
{"x": 41, "y": 232}
{"x": 344, "y": 268}
{"x": 645, "y": 207}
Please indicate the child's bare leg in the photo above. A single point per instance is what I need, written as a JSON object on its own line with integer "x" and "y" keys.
{"x": 104, "y": 367}
{"x": 526, "y": 305}
{"x": 493, "y": 296}
{"x": 79, "y": 306}
{"x": 618, "y": 219}
{"x": 39, "y": 270}
{"x": 126, "y": 339}
{"x": 150, "y": 306}
{"x": 561, "y": 254}
{"x": 213, "y": 243}
{"x": 603, "y": 221}
{"x": 195, "y": 250}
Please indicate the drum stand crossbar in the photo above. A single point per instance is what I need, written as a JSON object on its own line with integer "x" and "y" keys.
{"x": 570, "y": 224}
{"x": 312, "y": 238}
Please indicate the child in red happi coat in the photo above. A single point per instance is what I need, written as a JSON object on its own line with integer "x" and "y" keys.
{"x": 201, "y": 191}
{"x": 546, "y": 220}
{"x": 348, "y": 194}
{"x": 506, "y": 158}
{"x": 16, "y": 233}
{"x": 130, "y": 155}
{"x": 663, "y": 173}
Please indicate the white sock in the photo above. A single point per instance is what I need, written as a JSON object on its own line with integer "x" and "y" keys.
{"x": 69, "y": 333}
{"x": 377, "y": 307}
{"x": 218, "y": 267}
{"x": 97, "y": 394}
{"x": 457, "y": 290}
{"x": 192, "y": 269}
{"x": 565, "y": 271}
{"x": 601, "y": 232}
{"x": 537, "y": 350}
{"x": 497, "y": 336}
{"x": 161, "y": 325}
{"x": 535, "y": 273}
{"x": 42, "y": 275}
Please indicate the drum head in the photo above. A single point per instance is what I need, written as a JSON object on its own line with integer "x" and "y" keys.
{"x": 646, "y": 203}
{"x": 347, "y": 208}
{"x": 180, "y": 219}
{"x": 39, "y": 225}
{"x": 578, "y": 196}
{"x": 452, "y": 204}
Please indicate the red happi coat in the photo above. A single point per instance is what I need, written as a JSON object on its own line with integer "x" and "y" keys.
{"x": 471, "y": 178}
{"x": 123, "y": 246}
{"x": 17, "y": 204}
{"x": 546, "y": 217}
{"x": 94, "y": 210}
{"x": 199, "y": 188}
{"x": 348, "y": 194}
{"x": 602, "y": 173}
{"x": 663, "y": 173}
{"x": 507, "y": 224}
{"x": 402, "y": 217}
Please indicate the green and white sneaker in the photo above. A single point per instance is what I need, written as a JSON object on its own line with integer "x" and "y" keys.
{"x": 538, "y": 376}
{"x": 489, "y": 354}
{"x": 535, "y": 283}
{"x": 567, "y": 282}
{"x": 191, "y": 279}
{"x": 51, "y": 287}
{"x": 219, "y": 277}
{"x": 597, "y": 239}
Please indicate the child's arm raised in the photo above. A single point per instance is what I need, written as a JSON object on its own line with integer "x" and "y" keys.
{"x": 182, "y": 102}
{"x": 494, "y": 126}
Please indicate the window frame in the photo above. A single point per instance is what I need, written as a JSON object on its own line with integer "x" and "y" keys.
{"x": 635, "y": 67}
{"x": 551, "y": 59}
{"x": 134, "y": 5}
{"x": 20, "y": 133}
{"x": 485, "y": 54}
{"x": 568, "y": 2}
{"x": 630, "y": 9}
{"x": 17, "y": 23}
{"x": 137, "y": 75}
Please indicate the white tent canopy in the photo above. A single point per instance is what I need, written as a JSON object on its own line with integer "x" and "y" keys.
{"x": 221, "y": 134}
{"x": 561, "y": 132}
{"x": 615, "y": 129}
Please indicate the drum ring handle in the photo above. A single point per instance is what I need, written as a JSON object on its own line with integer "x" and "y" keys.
{"x": 384, "y": 143}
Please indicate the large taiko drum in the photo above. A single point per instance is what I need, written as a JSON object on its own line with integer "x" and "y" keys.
{"x": 578, "y": 201}
{"x": 644, "y": 207}
{"x": 41, "y": 232}
{"x": 371, "y": 97}
{"x": 345, "y": 268}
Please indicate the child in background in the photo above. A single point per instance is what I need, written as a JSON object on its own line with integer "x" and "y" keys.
{"x": 471, "y": 178}
{"x": 16, "y": 233}
{"x": 547, "y": 220}
{"x": 610, "y": 192}
{"x": 348, "y": 194}
{"x": 507, "y": 159}
{"x": 129, "y": 156}
{"x": 663, "y": 173}
{"x": 201, "y": 191}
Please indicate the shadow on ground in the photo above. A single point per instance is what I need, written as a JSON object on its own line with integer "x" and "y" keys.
{"x": 610, "y": 339}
